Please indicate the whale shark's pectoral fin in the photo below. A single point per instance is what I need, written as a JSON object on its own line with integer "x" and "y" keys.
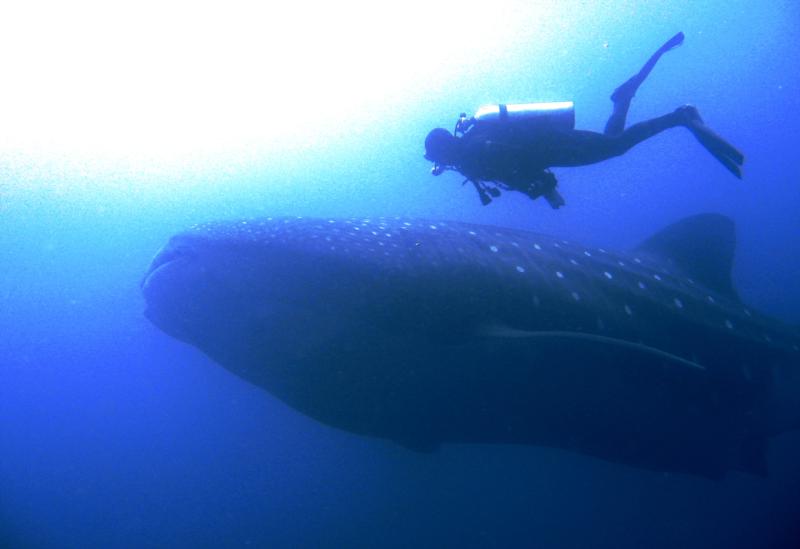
{"x": 623, "y": 400}
{"x": 588, "y": 341}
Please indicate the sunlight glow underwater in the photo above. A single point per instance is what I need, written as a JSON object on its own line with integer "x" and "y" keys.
{"x": 97, "y": 87}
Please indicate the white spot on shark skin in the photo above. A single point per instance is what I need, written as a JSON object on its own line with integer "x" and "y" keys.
{"x": 573, "y": 262}
{"x": 642, "y": 285}
{"x": 406, "y": 223}
{"x": 628, "y": 310}
{"x": 657, "y": 277}
{"x": 537, "y": 246}
{"x": 637, "y": 260}
{"x": 728, "y": 324}
{"x": 520, "y": 269}
{"x": 434, "y": 227}
{"x": 621, "y": 263}
{"x": 559, "y": 274}
{"x": 678, "y": 303}
{"x": 747, "y": 312}
{"x": 515, "y": 244}
{"x": 710, "y": 299}
{"x": 493, "y": 248}
{"x": 555, "y": 244}
{"x": 472, "y": 233}
{"x": 601, "y": 250}
{"x": 608, "y": 275}
{"x": 587, "y": 253}
{"x": 576, "y": 296}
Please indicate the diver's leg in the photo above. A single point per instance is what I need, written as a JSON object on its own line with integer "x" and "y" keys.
{"x": 623, "y": 95}
{"x": 641, "y": 131}
{"x": 589, "y": 147}
{"x": 580, "y": 147}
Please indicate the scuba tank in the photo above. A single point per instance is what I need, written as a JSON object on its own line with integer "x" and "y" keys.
{"x": 555, "y": 116}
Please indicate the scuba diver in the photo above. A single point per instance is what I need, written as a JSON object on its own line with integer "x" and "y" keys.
{"x": 512, "y": 147}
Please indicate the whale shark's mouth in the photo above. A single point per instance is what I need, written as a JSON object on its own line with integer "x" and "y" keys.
{"x": 163, "y": 283}
{"x": 167, "y": 257}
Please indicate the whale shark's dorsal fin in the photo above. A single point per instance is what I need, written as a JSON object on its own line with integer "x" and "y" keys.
{"x": 702, "y": 246}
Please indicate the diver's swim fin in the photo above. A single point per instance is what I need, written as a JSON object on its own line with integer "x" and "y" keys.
{"x": 673, "y": 42}
{"x": 627, "y": 90}
{"x": 723, "y": 151}
{"x": 728, "y": 155}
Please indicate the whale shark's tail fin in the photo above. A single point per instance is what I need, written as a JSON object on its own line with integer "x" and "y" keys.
{"x": 702, "y": 246}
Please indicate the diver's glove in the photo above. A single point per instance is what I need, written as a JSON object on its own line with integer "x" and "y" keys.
{"x": 554, "y": 198}
{"x": 549, "y": 192}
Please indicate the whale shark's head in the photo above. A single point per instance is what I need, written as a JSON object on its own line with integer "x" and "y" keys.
{"x": 245, "y": 284}
{"x": 262, "y": 295}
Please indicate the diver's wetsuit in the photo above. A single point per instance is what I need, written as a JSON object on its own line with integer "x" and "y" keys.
{"x": 518, "y": 156}
{"x": 492, "y": 154}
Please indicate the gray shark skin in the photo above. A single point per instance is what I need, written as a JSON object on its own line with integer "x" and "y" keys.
{"x": 429, "y": 332}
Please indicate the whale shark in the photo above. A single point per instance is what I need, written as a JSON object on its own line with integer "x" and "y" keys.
{"x": 439, "y": 332}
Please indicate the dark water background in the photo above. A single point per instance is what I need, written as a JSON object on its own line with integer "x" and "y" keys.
{"x": 114, "y": 435}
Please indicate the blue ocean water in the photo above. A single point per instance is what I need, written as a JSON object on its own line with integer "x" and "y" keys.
{"x": 121, "y": 128}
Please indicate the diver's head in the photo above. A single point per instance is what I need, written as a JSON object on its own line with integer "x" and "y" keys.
{"x": 441, "y": 147}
